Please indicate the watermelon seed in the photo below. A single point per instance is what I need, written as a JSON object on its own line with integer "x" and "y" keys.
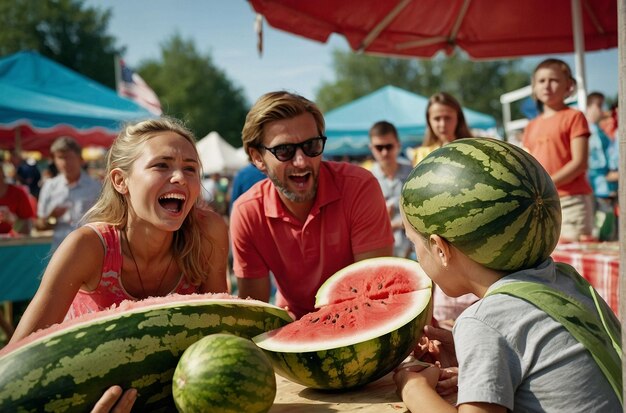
{"x": 368, "y": 304}
{"x": 380, "y": 286}
{"x": 356, "y": 307}
{"x": 316, "y": 320}
{"x": 352, "y": 289}
{"x": 334, "y": 321}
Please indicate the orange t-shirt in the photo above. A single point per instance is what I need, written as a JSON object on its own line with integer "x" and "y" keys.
{"x": 349, "y": 217}
{"x": 549, "y": 140}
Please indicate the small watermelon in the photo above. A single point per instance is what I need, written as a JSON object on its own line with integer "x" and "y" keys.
{"x": 490, "y": 199}
{"x": 223, "y": 373}
{"x": 370, "y": 316}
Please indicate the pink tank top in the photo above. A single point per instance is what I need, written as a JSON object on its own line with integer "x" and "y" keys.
{"x": 110, "y": 289}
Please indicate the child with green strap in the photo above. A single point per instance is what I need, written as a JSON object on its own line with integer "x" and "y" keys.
{"x": 540, "y": 339}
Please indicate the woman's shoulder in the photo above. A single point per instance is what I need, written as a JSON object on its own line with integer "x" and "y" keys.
{"x": 214, "y": 223}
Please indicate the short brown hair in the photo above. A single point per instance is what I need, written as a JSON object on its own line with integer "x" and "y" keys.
{"x": 276, "y": 106}
{"x": 595, "y": 97}
{"x": 383, "y": 127}
{"x": 559, "y": 64}
{"x": 66, "y": 144}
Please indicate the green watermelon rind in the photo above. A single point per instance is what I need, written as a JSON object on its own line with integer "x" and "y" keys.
{"x": 340, "y": 368}
{"x": 366, "y": 354}
{"x": 488, "y": 198}
{"x": 70, "y": 369}
{"x": 410, "y": 266}
{"x": 224, "y": 373}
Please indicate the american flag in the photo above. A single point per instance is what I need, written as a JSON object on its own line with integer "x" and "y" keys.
{"x": 132, "y": 86}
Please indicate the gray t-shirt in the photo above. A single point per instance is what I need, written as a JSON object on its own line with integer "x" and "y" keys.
{"x": 513, "y": 354}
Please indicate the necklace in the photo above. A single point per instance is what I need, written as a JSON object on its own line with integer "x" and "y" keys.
{"x": 143, "y": 290}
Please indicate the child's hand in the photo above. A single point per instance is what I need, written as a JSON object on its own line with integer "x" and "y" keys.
{"x": 448, "y": 381}
{"x": 411, "y": 379}
{"x": 439, "y": 346}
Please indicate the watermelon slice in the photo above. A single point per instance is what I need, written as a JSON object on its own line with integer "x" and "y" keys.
{"x": 371, "y": 315}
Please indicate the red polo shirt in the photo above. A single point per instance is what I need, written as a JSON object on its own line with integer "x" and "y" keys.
{"x": 348, "y": 217}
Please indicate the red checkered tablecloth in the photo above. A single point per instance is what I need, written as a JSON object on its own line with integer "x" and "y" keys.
{"x": 598, "y": 262}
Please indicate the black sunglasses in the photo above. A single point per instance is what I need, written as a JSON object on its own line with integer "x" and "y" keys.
{"x": 311, "y": 147}
{"x": 388, "y": 146}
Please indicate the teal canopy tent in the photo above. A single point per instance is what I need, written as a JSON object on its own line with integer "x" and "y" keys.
{"x": 41, "y": 100}
{"x": 347, "y": 126}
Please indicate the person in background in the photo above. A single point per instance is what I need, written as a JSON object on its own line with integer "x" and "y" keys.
{"x": 64, "y": 199}
{"x": 445, "y": 122}
{"x": 559, "y": 139}
{"x": 600, "y": 167}
{"x": 244, "y": 179}
{"x": 26, "y": 173}
{"x": 16, "y": 210}
{"x": 311, "y": 217}
{"x": 391, "y": 174}
{"x": 147, "y": 235}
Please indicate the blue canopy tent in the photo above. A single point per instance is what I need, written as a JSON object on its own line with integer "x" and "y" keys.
{"x": 41, "y": 100}
{"x": 347, "y": 126}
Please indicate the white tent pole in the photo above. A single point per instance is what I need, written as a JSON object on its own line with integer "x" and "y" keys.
{"x": 579, "y": 52}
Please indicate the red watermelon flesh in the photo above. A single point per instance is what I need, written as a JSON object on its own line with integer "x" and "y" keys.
{"x": 341, "y": 324}
{"x": 370, "y": 316}
{"x": 388, "y": 277}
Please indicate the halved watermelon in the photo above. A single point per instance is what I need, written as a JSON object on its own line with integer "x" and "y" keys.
{"x": 371, "y": 315}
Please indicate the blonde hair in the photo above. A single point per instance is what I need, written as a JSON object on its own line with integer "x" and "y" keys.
{"x": 276, "y": 106}
{"x": 461, "y": 130}
{"x": 188, "y": 247}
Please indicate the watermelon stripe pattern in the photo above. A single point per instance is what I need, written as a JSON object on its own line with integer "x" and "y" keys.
{"x": 69, "y": 369}
{"x": 347, "y": 366}
{"x": 223, "y": 373}
{"x": 489, "y": 198}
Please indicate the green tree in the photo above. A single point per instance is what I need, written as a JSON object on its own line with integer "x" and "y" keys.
{"x": 477, "y": 85}
{"x": 65, "y": 31}
{"x": 192, "y": 88}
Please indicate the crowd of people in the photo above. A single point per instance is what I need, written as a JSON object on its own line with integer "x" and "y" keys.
{"x": 150, "y": 231}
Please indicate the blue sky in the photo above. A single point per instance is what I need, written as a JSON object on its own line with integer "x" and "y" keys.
{"x": 224, "y": 28}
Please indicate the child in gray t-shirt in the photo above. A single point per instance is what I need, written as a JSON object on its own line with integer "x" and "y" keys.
{"x": 520, "y": 353}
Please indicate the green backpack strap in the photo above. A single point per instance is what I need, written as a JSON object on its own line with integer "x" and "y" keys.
{"x": 600, "y": 334}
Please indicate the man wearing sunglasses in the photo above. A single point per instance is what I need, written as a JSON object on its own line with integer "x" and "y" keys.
{"x": 391, "y": 174}
{"x": 311, "y": 217}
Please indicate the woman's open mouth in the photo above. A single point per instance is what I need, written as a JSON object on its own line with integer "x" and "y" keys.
{"x": 172, "y": 202}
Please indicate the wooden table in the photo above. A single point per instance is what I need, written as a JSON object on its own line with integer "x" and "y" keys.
{"x": 377, "y": 397}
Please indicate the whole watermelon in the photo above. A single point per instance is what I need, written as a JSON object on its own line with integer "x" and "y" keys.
{"x": 490, "y": 199}
{"x": 224, "y": 373}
